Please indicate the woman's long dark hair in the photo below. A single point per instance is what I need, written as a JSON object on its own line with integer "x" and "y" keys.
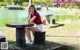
{"x": 33, "y": 7}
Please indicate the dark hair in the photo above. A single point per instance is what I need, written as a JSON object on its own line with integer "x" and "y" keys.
{"x": 33, "y": 7}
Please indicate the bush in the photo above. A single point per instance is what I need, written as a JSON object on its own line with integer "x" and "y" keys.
{"x": 1, "y": 4}
{"x": 78, "y": 6}
{"x": 6, "y": 3}
{"x": 71, "y": 6}
{"x": 25, "y": 3}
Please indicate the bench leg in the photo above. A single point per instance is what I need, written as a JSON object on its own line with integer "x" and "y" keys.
{"x": 39, "y": 37}
{"x": 2, "y": 39}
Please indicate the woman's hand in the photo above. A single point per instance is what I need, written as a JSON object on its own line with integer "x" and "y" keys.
{"x": 30, "y": 22}
{"x": 30, "y": 11}
{"x": 29, "y": 16}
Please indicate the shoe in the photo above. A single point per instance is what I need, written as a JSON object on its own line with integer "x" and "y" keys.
{"x": 29, "y": 42}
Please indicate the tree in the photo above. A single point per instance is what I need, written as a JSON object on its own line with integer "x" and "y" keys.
{"x": 18, "y": 2}
{"x": 7, "y": 1}
{"x": 1, "y": 0}
{"x": 37, "y": 1}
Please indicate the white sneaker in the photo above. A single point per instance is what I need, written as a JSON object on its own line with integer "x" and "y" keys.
{"x": 29, "y": 42}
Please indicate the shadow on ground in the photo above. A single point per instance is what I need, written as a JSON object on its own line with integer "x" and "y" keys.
{"x": 47, "y": 46}
{"x": 56, "y": 25}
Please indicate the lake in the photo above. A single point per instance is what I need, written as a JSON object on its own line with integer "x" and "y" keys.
{"x": 21, "y": 15}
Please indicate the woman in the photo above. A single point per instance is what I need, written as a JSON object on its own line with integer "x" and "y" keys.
{"x": 33, "y": 17}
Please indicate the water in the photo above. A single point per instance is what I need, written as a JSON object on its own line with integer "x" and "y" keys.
{"x": 11, "y": 16}
{"x": 21, "y": 15}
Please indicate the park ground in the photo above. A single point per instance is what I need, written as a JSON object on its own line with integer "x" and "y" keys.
{"x": 68, "y": 34}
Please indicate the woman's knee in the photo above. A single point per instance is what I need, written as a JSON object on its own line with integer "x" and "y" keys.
{"x": 27, "y": 29}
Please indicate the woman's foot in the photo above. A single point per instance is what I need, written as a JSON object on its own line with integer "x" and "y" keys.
{"x": 29, "y": 42}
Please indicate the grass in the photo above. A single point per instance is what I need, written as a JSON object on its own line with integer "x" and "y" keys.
{"x": 69, "y": 34}
{"x": 65, "y": 17}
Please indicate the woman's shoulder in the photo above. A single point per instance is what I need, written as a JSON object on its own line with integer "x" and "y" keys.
{"x": 36, "y": 13}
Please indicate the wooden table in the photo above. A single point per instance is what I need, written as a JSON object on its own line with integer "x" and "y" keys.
{"x": 20, "y": 32}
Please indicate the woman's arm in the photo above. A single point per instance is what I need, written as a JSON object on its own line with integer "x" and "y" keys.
{"x": 32, "y": 19}
{"x": 29, "y": 17}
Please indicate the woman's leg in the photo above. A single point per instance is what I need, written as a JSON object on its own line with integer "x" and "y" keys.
{"x": 33, "y": 29}
{"x": 28, "y": 33}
